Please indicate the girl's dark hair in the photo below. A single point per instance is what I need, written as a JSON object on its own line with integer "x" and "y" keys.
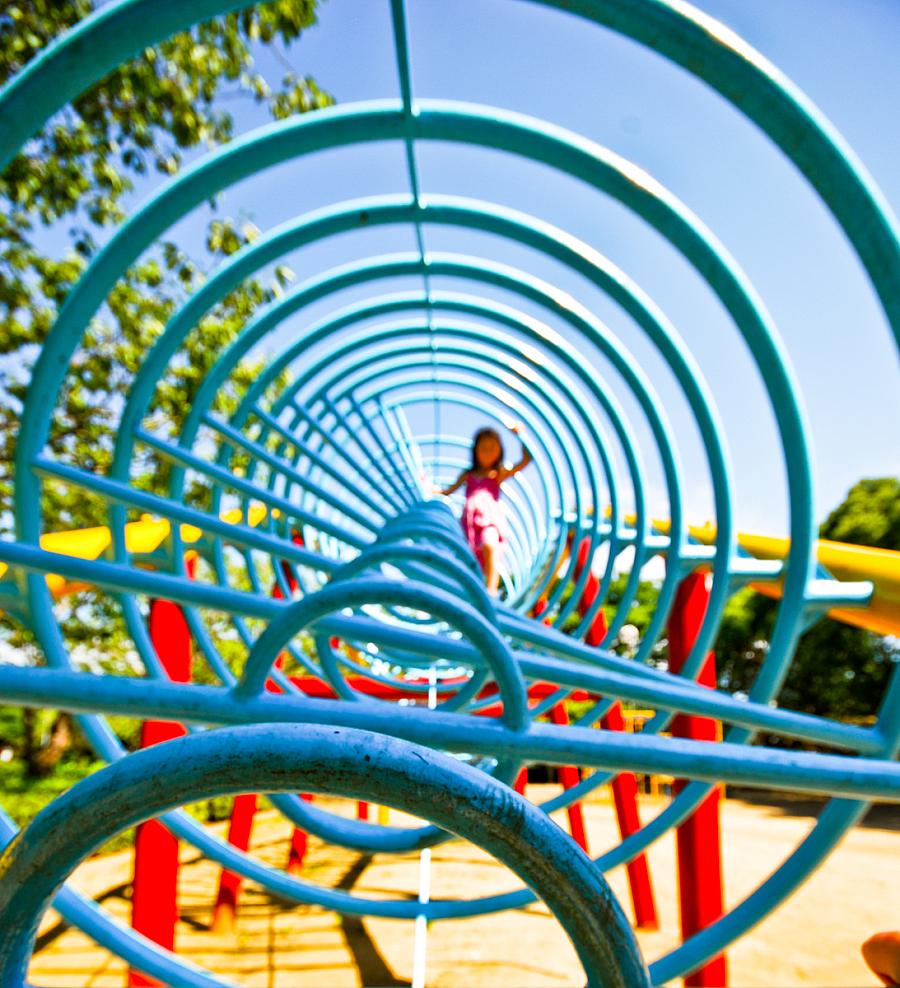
{"x": 487, "y": 434}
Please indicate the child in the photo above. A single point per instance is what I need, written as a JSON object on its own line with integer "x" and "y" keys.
{"x": 482, "y": 518}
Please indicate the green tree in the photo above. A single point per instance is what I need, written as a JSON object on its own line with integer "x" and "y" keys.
{"x": 869, "y": 515}
{"x": 79, "y": 171}
{"x": 837, "y": 670}
{"x": 73, "y": 182}
{"x": 643, "y": 605}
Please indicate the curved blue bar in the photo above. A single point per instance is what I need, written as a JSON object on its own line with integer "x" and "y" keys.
{"x": 322, "y": 759}
{"x": 338, "y": 443}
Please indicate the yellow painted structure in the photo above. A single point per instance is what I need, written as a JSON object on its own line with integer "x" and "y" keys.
{"x": 846, "y": 563}
{"x": 141, "y": 537}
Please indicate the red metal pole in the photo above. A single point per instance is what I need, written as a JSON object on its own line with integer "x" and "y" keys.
{"x": 299, "y": 845}
{"x": 245, "y": 806}
{"x": 569, "y": 777}
{"x": 154, "y": 899}
{"x": 239, "y": 827}
{"x": 624, "y": 786}
{"x": 521, "y": 781}
{"x": 540, "y": 606}
{"x": 699, "y": 846}
{"x": 625, "y": 792}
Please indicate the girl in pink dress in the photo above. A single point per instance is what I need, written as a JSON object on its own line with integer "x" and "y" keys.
{"x": 483, "y": 518}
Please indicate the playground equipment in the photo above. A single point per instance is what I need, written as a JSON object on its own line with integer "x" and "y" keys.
{"x": 339, "y": 574}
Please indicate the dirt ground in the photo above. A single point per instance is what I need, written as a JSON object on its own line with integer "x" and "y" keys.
{"x": 812, "y": 940}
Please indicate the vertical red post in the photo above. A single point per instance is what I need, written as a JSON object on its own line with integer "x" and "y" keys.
{"x": 624, "y": 785}
{"x": 521, "y": 781}
{"x": 699, "y": 848}
{"x": 154, "y": 900}
{"x": 245, "y": 806}
{"x": 299, "y": 844}
{"x": 239, "y": 827}
{"x": 569, "y": 777}
{"x": 540, "y": 606}
{"x": 625, "y": 792}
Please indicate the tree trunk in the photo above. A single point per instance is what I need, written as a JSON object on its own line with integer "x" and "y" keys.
{"x": 41, "y": 761}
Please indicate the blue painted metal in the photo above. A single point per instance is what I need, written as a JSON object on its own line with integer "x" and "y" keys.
{"x": 137, "y": 950}
{"x": 340, "y": 452}
{"x": 332, "y": 760}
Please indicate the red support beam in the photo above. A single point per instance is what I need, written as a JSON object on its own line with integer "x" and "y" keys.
{"x": 625, "y": 793}
{"x": 540, "y": 606}
{"x": 569, "y": 777}
{"x": 698, "y": 838}
{"x": 239, "y": 828}
{"x": 245, "y": 806}
{"x": 624, "y": 785}
{"x": 521, "y": 781}
{"x": 299, "y": 845}
{"x": 154, "y": 899}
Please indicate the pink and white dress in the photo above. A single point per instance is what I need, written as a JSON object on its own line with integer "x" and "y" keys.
{"x": 483, "y": 518}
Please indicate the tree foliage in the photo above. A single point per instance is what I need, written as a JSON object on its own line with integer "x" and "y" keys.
{"x": 837, "y": 670}
{"x": 77, "y": 174}
{"x": 869, "y": 515}
{"x": 72, "y": 183}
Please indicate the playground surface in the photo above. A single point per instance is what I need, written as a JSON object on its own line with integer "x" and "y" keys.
{"x": 812, "y": 940}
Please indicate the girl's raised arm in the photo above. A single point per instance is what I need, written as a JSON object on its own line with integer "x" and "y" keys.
{"x": 525, "y": 459}
{"x": 460, "y": 480}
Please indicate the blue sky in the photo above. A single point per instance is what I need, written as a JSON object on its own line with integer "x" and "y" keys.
{"x": 553, "y": 66}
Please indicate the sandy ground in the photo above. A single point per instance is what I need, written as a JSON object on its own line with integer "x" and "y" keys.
{"x": 812, "y": 940}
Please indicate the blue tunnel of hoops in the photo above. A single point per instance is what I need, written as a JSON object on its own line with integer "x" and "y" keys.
{"x": 306, "y": 518}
